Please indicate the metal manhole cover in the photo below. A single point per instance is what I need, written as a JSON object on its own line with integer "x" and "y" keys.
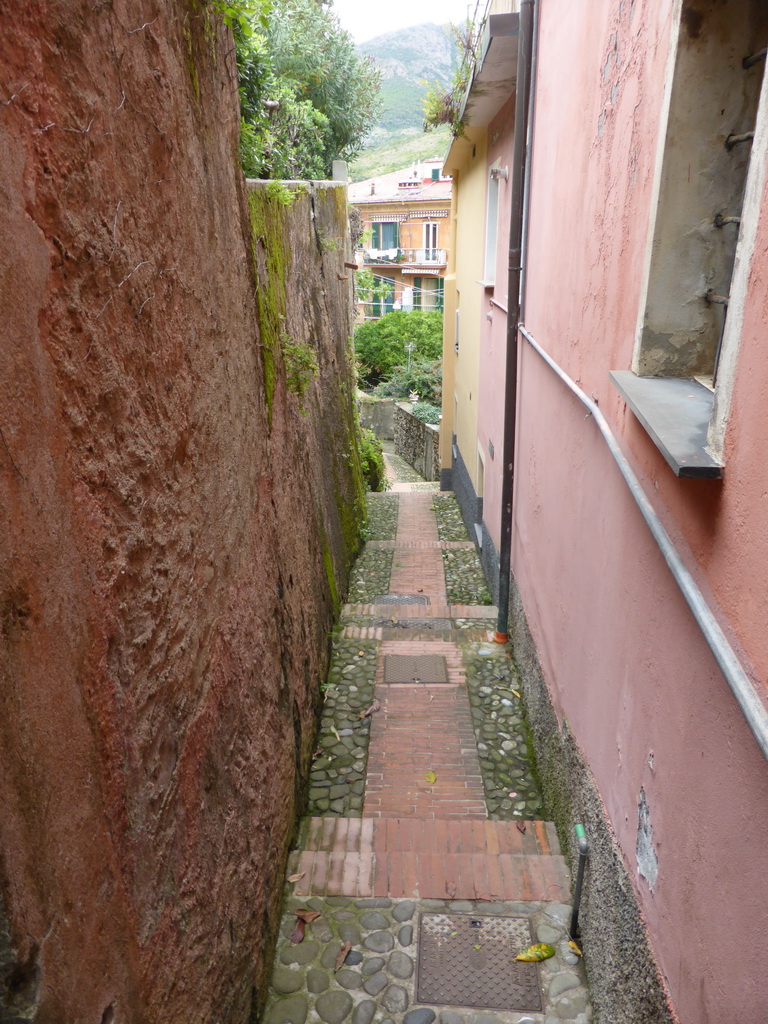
{"x": 400, "y": 599}
{"x": 422, "y": 668}
{"x": 470, "y": 961}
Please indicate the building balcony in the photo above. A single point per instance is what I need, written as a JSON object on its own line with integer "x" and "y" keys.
{"x": 410, "y": 257}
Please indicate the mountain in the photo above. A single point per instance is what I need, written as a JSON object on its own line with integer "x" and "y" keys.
{"x": 410, "y": 59}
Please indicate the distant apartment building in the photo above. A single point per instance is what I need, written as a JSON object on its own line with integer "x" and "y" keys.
{"x": 406, "y": 227}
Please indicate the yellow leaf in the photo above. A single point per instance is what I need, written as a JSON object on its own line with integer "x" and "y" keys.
{"x": 430, "y": 777}
{"x": 575, "y": 948}
{"x": 516, "y": 694}
{"x": 538, "y": 951}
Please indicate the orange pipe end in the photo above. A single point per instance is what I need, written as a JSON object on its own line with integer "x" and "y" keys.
{"x": 501, "y": 638}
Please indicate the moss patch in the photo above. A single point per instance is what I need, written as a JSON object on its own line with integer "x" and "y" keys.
{"x": 272, "y": 264}
{"x": 330, "y": 576}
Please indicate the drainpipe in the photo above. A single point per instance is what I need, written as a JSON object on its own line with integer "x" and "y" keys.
{"x": 516, "y": 223}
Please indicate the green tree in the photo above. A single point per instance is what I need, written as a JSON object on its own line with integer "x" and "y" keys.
{"x": 381, "y": 345}
{"x": 307, "y": 98}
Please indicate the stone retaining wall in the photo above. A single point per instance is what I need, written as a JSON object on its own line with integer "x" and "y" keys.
{"x": 378, "y": 415}
{"x": 180, "y": 502}
{"x": 417, "y": 442}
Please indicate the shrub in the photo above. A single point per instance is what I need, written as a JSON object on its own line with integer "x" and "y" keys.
{"x": 426, "y": 412}
{"x": 372, "y": 461}
{"x": 425, "y": 378}
{"x": 380, "y": 345}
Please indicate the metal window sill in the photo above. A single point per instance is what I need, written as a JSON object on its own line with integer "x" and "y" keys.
{"x": 675, "y": 412}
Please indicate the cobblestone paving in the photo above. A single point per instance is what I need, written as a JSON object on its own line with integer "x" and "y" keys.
{"x": 382, "y": 516}
{"x": 450, "y": 525}
{"x": 464, "y": 579}
{"x": 401, "y": 470}
{"x": 377, "y": 982}
{"x": 337, "y": 779}
{"x": 370, "y": 576}
{"x": 502, "y": 743}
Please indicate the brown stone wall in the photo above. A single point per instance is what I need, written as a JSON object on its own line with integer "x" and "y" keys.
{"x": 174, "y": 531}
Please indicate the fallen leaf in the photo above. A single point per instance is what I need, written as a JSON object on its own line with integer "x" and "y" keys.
{"x": 521, "y": 826}
{"x": 575, "y": 948}
{"x": 371, "y": 709}
{"x": 454, "y": 933}
{"x": 342, "y": 956}
{"x": 336, "y": 734}
{"x": 538, "y": 951}
{"x": 361, "y": 654}
{"x": 297, "y": 935}
{"x": 295, "y": 878}
{"x": 308, "y": 916}
{"x": 430, "y": 777}
{"x": 477, "y": 946}
{"x": 517, "y": 694}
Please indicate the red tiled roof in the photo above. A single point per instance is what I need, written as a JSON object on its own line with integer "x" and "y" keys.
{"x": 389, "y": 188}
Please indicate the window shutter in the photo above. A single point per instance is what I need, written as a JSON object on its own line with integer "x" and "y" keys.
{"x": 376, "y": 240}
{"x": 417, "y": 293}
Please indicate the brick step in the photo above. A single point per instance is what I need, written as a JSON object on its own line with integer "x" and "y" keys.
{"x": 443, "y": 861}
{"x": 433, "y": 835}
{"x": 423, "y": 611}
{"x": 406, "y": 545}
{"x": 454, "y": 636}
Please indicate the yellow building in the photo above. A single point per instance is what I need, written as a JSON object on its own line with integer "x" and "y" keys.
{"x": 405, "y": 243}
{"x": 475, "y": 285}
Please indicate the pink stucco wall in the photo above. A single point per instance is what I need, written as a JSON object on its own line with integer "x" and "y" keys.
{"x": 493, "y": 331}
{"x": 624, "y": 660}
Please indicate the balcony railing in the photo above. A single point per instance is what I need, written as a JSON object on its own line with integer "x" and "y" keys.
{"x": 413, "y": 257}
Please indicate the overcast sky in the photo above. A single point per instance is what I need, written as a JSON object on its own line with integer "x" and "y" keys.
{"x": 365, "y": 19}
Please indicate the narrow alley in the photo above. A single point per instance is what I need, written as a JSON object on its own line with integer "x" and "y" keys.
{"x": 424, "y": 864}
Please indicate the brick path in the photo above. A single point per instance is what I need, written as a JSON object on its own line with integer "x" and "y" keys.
{"x": 422, "y": 835}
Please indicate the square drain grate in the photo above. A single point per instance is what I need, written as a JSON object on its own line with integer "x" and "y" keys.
{"x": 422, "y": 668}
{"x": 400, "y": 599}
{"x": 470, "y": 961}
